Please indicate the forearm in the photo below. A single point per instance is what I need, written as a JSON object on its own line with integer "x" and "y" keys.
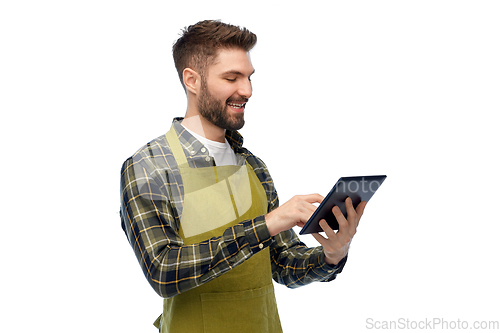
{"x": 296, "y": 265}
{"x": 172, "y": 268}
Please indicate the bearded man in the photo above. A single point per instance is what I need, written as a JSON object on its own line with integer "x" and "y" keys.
{"x": 201, "y": 211}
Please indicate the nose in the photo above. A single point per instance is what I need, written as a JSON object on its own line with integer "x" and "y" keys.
{"x": 245, "y": 88}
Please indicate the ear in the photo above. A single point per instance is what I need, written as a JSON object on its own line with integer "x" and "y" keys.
{"x": 192, "y": 80}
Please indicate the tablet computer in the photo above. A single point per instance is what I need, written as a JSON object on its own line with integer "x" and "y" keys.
{"x": 358, "y": 189}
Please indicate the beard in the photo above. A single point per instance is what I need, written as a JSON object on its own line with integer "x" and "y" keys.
{"x": 216, "y": 111}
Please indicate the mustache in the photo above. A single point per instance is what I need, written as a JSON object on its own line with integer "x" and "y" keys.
{"x": 236, "y": 100}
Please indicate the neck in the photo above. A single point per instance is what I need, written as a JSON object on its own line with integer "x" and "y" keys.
{"x": 203, "y": 127}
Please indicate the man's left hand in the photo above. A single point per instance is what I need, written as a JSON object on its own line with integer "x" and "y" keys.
{"x": 337, "y": 244}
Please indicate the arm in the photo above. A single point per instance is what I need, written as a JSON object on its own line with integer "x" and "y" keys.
{"x": 151, "y": 226}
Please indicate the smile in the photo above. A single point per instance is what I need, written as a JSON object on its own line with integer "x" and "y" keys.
{"x": 236, "y": 105}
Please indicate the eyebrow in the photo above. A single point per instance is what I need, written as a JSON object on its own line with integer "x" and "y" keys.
{"x": 235, "y": 72}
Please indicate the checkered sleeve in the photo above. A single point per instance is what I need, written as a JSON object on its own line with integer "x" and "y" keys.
{"x": 150, "y": 224}
{"x": 295, "y": 265}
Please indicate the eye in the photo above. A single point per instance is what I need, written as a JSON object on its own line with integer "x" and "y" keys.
{"x": 231, "y": 80}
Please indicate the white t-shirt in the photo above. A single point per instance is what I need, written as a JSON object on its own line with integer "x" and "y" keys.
{"x": 221, "y": 152}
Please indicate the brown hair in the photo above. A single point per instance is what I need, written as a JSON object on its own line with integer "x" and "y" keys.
{"x": 199, "y": 43}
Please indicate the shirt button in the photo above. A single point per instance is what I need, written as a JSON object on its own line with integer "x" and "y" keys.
{"x": 261, "y": 246}
{"x": 203, "y": 149}
{"x": 207, "y": 159}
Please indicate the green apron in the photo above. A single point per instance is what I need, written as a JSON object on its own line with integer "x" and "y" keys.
{"x": 242, "y": 299}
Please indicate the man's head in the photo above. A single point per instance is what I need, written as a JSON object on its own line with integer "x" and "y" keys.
{"x": 199, "y": 44}
{"x": 214, "y": 67}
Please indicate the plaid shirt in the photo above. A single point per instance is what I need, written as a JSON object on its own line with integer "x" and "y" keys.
{"x": 151, "y": 205}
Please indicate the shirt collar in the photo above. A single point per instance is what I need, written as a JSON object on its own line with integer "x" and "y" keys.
{"x": 193, "y": 145}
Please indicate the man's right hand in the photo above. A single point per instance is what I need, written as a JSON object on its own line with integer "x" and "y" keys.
{"x": 294, "y": 212}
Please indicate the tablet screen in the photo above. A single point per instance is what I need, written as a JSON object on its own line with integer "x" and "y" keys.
{"x": 358, "y": 189}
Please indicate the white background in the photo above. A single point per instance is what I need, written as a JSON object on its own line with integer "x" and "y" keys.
{"x": 404, "y": 88}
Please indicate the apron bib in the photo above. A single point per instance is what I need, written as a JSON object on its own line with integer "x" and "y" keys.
{"x": 241, "y": 300}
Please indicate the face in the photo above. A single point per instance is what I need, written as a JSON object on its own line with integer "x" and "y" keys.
{"x": 226, "y": 88}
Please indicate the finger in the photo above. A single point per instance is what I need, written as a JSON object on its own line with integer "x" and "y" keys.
{"x": 352, "y": 218}
{"x": 327, "y": 229}
{"x": 343, "y": 225}
{"x": 306, "y": 210}
{"x": 310, "y": 207}
{"x": 349, "y": 208}
{"x": 313, "y": 198}
{"x": 351, "y": 212}
{"x": 303, "y": 217}
{"x": 306, "y": 203}
{"x": 360, "y": 209}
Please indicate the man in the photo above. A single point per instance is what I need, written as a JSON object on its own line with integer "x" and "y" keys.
{"x": 201, "y": 212}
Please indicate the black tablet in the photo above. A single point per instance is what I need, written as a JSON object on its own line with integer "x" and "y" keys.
{"x": 357, "y": 188}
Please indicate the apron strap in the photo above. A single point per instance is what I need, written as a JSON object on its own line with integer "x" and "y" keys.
{"x": 176, "y": 147}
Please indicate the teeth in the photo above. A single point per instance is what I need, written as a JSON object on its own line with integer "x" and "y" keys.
{"x": 234, "y": 105}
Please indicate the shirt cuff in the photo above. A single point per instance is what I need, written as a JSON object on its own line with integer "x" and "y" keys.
{"x": 331, "y": 271}
{"x": 257, "y": 234}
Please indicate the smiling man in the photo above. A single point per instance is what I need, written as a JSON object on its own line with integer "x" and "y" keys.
{"x": 201, "y": 211}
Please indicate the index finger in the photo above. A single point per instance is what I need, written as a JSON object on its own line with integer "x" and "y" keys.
{"x": 312, "y": 198}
